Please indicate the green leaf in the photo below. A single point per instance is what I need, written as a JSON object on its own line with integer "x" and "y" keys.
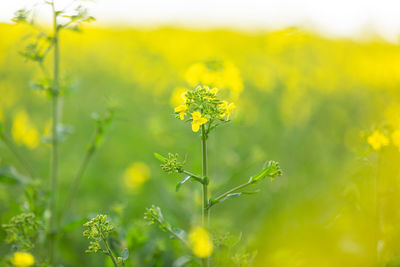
{"x": 271, "y": 169}
{"x": 187, "y": 178}
{"x": 160, "y": 158}
{"x": 10, "y": 175}
{"x": 125, "y": 254}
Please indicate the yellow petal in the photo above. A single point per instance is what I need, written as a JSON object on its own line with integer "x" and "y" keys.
{"x": 195, "y": 127}
{"x": 201, "y": 121}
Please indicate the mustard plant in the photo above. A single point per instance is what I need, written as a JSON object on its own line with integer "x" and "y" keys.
{"x": 205, "y": 111}
{"x": 98, "y": 232}
{"x": 41, "y": 45}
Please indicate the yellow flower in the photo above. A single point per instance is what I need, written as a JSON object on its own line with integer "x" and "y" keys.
{"x": 377, "y": 140}
{"x": 396, "y": 138}
{"x": 201, "y": 243}
{"x": 227, "y": 109}
{"x": 23, "y": 132}
{"x": 182, "y": 111}
{"x": 195, "y": 73}
{"x": 22, "y": 259}
{"x": 136, "y": 175}
{"x": 178, "y": 96}
{"x": 214, "y": 91}
{"x": 1, "y": 115}
{"x": 197, "y": 121}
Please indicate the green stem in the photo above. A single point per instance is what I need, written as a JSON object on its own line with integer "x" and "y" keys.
{"x": 114, "y": 260}
{"x": 24, "y": 163}
{"x": 205, "y": 218}
{"x": 85, "y": 162}
{"x": 222, "y": 196}
{"x": 54, "y": 151}
{"x": 191, "y": 174}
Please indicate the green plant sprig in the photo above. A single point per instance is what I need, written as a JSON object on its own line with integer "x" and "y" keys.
{"x": 271, "y": 170}
{"x": 154, "y": 216}
{"x": 102, "y": 124}
{"x": 99, "y": 229}
{"x": 172, "y": 165}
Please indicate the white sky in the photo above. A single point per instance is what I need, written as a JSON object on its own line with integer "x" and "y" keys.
{"x": 335, "y": 17}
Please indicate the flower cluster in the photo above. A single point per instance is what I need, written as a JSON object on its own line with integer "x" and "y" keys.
{"x": 379, "y": 139}
{"x": 171, "y": 164}
{"x": 22, "y": 231}
{"x": 98, "y": 230}
{"x": 204, "y": 107}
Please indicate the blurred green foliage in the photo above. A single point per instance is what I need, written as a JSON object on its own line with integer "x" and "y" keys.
{"x": 302, "y": 99}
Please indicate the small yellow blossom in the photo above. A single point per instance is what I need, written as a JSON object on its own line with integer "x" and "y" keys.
{"x": 396, "y": 138}
{"x": 227, "y": 109}
{"x": 214, "y": 91}
{"x": 178, "y": 96}
{"x": 201, "y": 242}
{"x": 136, "y": 175}
{"x": 22, "y": 259}
{"x": 182, "y": 111}
{"x": 197, "y": 121}
{"x": 23, "y": 132}
{"x": 377, "y": 140}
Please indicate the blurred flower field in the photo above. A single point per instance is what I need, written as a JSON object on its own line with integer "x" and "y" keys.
{"x": 327, "y": 109}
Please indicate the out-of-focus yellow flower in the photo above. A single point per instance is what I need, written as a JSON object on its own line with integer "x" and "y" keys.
{"x": 396, "y": 138}
{"x": 201, "y": 242}
{"x": 226, "y": 76}
{"x": 23, "y": 132}
{"x": 227, "y": 109}
{"x": 22, "y": 259}
{"x": 214, "y": 91}
{"x": 181, "y": 110}
{"x": 194, "y": 74}
{"x": 377, "y": 140}
{"x": 1, "y": 115}
{"x": 136, "y": 175}
{"x": 178, "y": 96}
{"x": 197, "y": 121}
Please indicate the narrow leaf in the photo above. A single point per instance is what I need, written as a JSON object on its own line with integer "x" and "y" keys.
{"x": 10, "y": 175}
{"x": 125, "y": 254}
{"x": 160, "y": 158}
{"x": 178, "y": 185}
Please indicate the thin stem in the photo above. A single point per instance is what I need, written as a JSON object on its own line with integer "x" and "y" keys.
{"x": 205, "y": 217}
{"x": 24, "y": 163}
{"x": 191, "y": 174}
{"x": 222, "y": 196}
{"x": 54, "y": 152}
{"x": 109, "y": 250}
{"x": 205, "y": 212}
{"x": 84, "y": 164}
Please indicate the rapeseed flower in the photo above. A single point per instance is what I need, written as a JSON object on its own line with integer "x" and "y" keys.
{"x": 377, "y": 140}
{"x": 23, "y": 131}
{"x": 200, "y": 242}
{"x": 227, "y": 109}
{"x": 197, "y": 121}
{"x": 136, "y": 175}
{"x": 181, "y": 109}
{"x": 22, "y": 259}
